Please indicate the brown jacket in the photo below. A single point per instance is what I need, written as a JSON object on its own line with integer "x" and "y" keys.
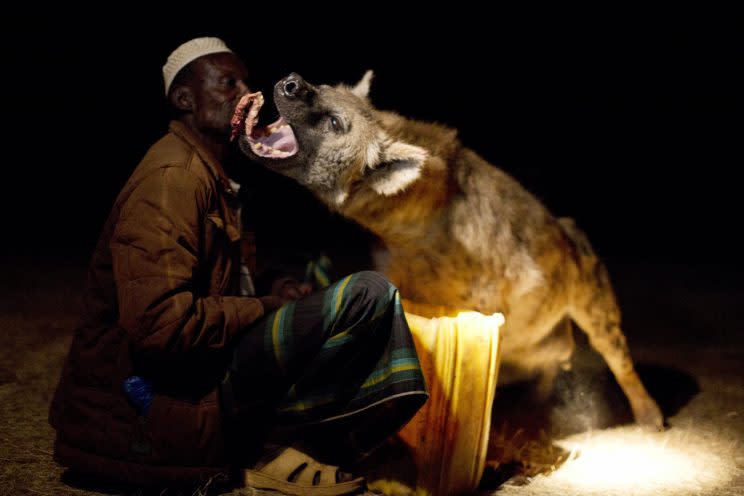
{"x": 158, "y": 305}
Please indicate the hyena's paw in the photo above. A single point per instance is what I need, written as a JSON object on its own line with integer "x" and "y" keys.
{"x": 648, "y": 414}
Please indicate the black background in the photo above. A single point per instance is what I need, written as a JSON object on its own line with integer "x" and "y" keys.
{"x": 628, "y": 121}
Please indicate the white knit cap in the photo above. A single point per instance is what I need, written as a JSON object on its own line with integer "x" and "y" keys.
{"x": 187, "y": 52}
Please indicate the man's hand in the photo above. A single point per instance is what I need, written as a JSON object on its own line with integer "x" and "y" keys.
{"x": 291, "y": 289}
{"x": 284, "y": 290}
{"x": 271, "y": 302}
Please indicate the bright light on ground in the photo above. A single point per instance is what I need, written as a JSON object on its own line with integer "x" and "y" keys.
{"x": 631, "y": 461}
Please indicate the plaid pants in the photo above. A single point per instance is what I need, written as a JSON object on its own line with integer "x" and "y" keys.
{"x": 343, "y": 356}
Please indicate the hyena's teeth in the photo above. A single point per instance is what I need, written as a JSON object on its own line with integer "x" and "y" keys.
{"x": 268, "y": 150}
{"x": 273, "y": 130}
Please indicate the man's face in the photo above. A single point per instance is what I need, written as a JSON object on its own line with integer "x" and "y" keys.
{"x": 219, "y": 82}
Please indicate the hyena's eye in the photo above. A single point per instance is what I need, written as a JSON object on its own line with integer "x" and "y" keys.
{"x": 335, "y": 124}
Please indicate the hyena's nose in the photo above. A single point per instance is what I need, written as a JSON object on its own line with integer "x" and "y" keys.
{"x": 293, "y": 86}
{"x": 290, "y": 87}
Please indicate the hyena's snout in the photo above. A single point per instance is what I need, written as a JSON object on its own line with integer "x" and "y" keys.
{"x": 293, "y": 87}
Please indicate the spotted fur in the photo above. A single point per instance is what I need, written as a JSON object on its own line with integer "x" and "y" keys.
{"x": 460, "y": 232}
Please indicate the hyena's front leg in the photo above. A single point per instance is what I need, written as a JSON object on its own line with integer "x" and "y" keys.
{"x": 596, "y": 311}
{"x": 559, "y": 345}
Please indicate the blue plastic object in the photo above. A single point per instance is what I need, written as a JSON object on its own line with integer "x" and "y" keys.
{"x": 139, "y": 392}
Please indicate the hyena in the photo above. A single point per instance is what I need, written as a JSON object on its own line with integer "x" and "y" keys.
{"x": 459, "y": 231}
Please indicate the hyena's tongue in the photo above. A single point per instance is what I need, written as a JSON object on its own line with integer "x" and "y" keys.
{"x": 273, "y": 141}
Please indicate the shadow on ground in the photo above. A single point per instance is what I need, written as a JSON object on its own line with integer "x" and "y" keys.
{"x": 585, "y": 398}
{"x": 98, "y": 485}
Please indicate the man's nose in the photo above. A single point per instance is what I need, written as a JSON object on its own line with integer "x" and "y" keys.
{"x": 293, "y": 86}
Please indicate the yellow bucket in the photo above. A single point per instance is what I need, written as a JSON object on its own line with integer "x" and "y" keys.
{"x": 448, "y": 437}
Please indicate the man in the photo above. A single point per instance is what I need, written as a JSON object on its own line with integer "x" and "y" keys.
{"x": 174, "y": 376}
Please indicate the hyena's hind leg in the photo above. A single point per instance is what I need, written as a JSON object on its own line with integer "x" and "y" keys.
{"x": 595, "y": 310}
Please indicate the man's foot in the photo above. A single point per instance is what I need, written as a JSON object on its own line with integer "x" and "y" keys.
{"x": 293, "y": 472}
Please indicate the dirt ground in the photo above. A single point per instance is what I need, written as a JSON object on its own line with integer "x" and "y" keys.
{"x": 684, "y": 325}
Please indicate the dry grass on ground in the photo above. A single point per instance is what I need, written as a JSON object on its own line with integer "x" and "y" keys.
{"x": 691, "y": 339}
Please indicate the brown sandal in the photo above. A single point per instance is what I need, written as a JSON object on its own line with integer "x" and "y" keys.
{"x": 295, "y": 473}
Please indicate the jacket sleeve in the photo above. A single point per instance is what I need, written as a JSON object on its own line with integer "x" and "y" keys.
{"x": 155, "y": 256}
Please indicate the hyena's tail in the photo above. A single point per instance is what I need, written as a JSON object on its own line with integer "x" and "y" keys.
{"x": 580, "y": 240}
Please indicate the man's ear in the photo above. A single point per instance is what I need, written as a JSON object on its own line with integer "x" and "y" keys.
{"x": 182, "y": 98}
{"x": 400, "y": 165}
{"x": 361, "y": 89}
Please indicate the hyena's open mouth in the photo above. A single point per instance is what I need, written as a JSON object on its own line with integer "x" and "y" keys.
{"x": 273, "y": 141}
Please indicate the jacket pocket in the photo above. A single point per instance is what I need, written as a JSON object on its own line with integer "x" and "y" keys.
{"x": 185, "y": 433}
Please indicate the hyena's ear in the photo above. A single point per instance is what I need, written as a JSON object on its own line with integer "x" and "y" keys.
{"x": 361, "y": 89}
{"x": 400, "y": 165}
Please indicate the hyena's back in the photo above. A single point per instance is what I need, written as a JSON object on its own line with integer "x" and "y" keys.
{"x": 490, "y": 244}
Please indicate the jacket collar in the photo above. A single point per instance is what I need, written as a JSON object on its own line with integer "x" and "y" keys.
{"x": 183, "y": 132}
